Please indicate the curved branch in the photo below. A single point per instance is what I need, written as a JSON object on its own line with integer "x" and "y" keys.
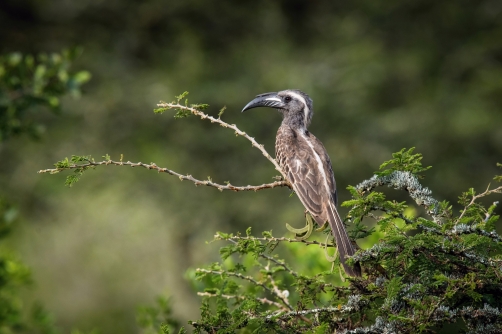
{"x": 487, "y": 192}
{"x": 153, "y": 166}
{"x": 239, "y": 132}
{"x": 409, "y": 182}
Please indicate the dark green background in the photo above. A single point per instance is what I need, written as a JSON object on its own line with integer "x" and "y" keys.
{"x": 383, "y": 75}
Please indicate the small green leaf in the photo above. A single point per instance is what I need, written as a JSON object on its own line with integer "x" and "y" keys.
{"x": 82, "y": 77}
{"x": 222, "y": 110}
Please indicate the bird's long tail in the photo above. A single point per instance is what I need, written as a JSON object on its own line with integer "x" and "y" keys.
{"x": 343, "y": 244}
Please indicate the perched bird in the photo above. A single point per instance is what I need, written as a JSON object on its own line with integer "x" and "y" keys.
{"x": 306, "y": 164}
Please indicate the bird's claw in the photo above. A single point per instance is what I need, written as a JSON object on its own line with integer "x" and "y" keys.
{"x": 329, "y": 257}
{"x": 322, "y": 228}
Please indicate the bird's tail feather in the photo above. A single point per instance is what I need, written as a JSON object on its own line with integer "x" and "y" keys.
{"x": 343, "y": 243}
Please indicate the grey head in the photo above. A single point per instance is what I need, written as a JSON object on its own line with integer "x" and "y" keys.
{"x": 295, "y": 106}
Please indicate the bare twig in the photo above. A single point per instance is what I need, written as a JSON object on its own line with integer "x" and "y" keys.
{"x": 153, "y": 166}
{"x": 239, "y": 132}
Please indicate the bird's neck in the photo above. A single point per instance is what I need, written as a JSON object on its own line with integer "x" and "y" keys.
{"x": 292, "y": 133}
{"x": 295, "y": 121}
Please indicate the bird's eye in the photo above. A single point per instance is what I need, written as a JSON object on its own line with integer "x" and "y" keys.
{"x": 287, "y": 98}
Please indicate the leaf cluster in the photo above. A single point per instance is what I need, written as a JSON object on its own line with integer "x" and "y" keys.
{"x": 420, "y": 272}
{"x": 28, "y": 82}
{"x": 182, "y": 100}
{"x": 14, "y": 277}
{"x": 158, "y": 319}
{"x": 77, "y": 171}
{"x": 404, "y": 161}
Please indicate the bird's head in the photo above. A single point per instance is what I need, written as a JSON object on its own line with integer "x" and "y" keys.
{"x": 295, "y": 106}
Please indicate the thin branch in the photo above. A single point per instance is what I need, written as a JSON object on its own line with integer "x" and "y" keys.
{"x": 279, "y": 263}
{"x": 306, "y": 312}
{"x": 275, "y": 287}
{"x": 400, "y": 215}
{"x": 239, "y": 132}
{"x": 229, "y": 273}
{"x": 475, "y": 197}
{"x": 274, "y": 239}
{"x": 409, "y": 182}
{"x": 250, "y": 279}
{"x": 153, "y": 166}
{"x": 261, "y": 300}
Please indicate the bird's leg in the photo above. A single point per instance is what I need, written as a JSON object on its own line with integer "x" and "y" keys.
{"x": 304, "y": 232}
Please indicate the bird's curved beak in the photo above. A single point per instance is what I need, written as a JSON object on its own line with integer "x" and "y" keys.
{"x": 270, "y": 100}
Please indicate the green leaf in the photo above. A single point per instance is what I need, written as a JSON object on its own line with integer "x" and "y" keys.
{"x": 181, "y": 96}
{"x": 404, "y": 161}
{"x": 82, "y": 77}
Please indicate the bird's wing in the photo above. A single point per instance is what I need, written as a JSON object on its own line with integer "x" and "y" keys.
{"x": 308, "y": 168}
{"x": 302, "y": 170}
{"x": 328, "y": 169}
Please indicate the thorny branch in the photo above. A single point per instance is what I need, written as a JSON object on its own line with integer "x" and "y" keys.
{"x": 277, "y": 293}
{"x": 277, "y": 262}
{"x": 261, "y": 300}
{"x": 275, "y": 239}
{"x": 239, "y": 132}
{"x": 275, "y": 288}
{"x": 153, "y": 166}
{"x": 307, "y": 312}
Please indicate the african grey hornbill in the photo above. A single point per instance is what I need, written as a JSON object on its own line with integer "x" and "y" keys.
{"x": 307, "y": 165}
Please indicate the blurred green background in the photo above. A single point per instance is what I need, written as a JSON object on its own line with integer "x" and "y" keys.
{"x": 383, "y": 75}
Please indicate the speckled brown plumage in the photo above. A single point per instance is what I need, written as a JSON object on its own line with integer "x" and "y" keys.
{"x": 296, "y": 154}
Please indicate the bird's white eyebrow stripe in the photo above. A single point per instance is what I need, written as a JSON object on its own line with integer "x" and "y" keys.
{"x": 274, "y": 99}
{"x": 306, "y": 109}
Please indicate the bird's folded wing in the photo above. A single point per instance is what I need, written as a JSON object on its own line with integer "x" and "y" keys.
{"x": 308, "y": 182}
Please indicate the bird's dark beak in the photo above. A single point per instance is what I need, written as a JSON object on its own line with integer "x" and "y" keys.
{"x": 270, "y": 100}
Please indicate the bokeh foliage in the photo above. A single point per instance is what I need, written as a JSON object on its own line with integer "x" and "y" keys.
{"x": 29, "y": 82}
{"x": 383, "y": 75}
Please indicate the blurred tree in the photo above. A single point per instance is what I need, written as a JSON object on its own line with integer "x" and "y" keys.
{"x": 26, "y": 84}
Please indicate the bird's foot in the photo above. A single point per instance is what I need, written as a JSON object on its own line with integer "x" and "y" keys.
{"x": 304, "y": 232}
{"x": 323, "y": 227}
